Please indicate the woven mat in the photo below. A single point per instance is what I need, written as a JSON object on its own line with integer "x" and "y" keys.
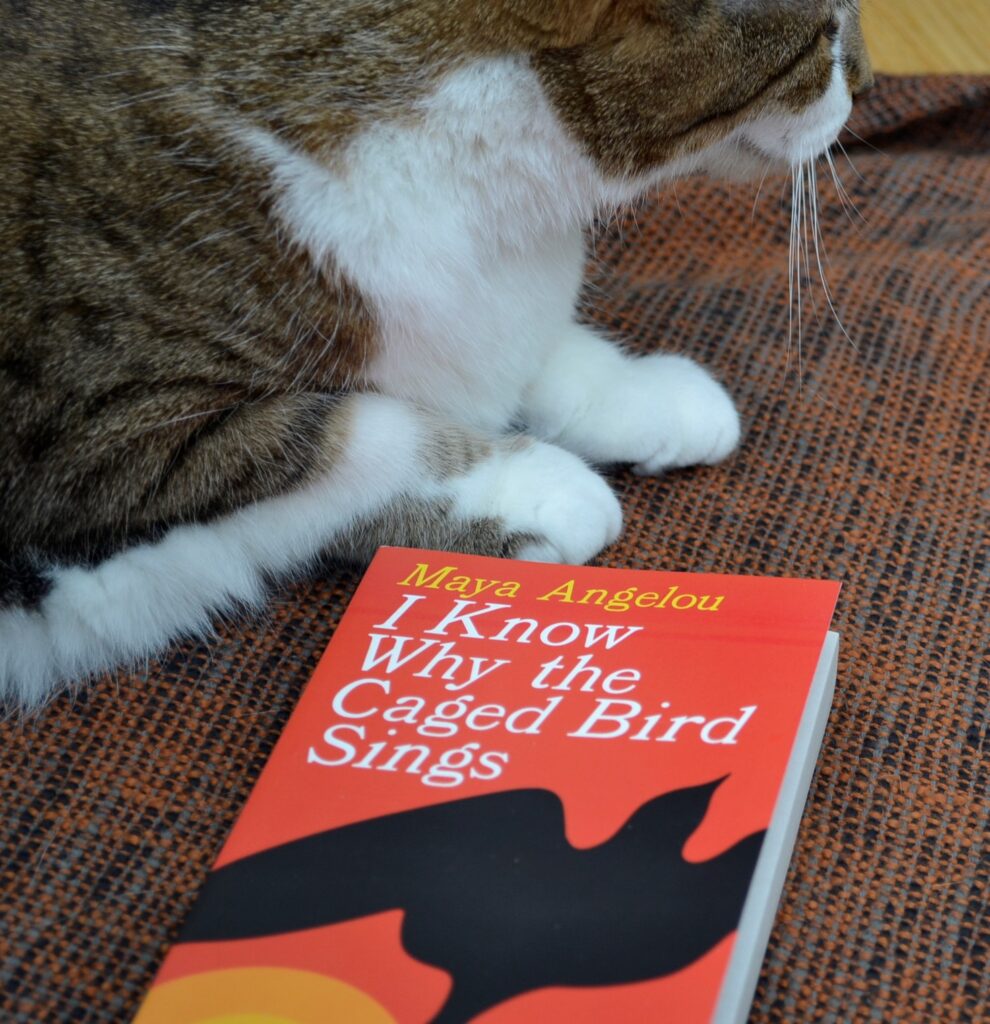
{"x": 869, "y": 466}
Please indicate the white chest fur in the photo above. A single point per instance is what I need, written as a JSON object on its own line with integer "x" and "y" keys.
{"x": 461, "y": 224}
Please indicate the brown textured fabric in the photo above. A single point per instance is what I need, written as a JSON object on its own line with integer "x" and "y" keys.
{"x": 872, "y": 468}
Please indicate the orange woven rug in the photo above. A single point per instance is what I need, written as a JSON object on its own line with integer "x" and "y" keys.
{"x": 870, "y": 466}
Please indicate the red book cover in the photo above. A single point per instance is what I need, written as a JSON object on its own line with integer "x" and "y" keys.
{"x": 513, "y": 793}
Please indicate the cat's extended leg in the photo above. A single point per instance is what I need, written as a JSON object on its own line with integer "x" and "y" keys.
{"x": 657, "y": 412}
{"x": 384, "y": 473}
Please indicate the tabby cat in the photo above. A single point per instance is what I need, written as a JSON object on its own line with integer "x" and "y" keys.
{"x": 288, "y": 278}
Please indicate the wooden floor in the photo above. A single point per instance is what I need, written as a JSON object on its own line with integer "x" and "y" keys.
{"x": 910, "y": 36}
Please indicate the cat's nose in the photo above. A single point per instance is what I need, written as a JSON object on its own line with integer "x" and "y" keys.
{"x": 864, "y": 84}
{"x": 856, "y": 58}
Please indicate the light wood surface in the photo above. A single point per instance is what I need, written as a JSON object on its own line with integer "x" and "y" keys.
{"x": 911, "y": 36}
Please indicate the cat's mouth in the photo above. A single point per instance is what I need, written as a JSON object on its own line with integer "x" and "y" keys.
{"x": 795, "y": 138}
{"x": 773, "y": 137}
{"x": 760, "y": 96}
{"x": 792, "y": 138}
{"x": 767, "y": 133}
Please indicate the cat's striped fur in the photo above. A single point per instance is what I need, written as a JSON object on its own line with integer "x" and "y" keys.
{"x": 277, "y": 278}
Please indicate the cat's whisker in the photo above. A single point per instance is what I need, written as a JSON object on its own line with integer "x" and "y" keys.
{"x": 790, "y": 273}
{"x": 841, "y": 188}
{"x": 820, "y": 234}
{"x": 819, "y": 251}
{"x": 865, "y": 142}
{"x": 810, "y": 213}
{"x": 849, "y": 160}
{"x": 848, "y": 206}
{"x": 838, "y": 186}
{"x": 783, "y": 191}
{"x": 759, "y": 190}
{"x": 801, "y": 240}
{"x": 795, "y": 330}
{"x": 806, "y": 239}
{"x": 634, "y": 211}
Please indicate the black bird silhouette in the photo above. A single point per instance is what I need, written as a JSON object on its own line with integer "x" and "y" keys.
{"x": 495, "y": 895}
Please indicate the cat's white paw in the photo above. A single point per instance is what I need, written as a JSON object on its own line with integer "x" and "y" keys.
{"x": 694, "y": 421}
{"x": 657, "y": 413}
{"x": 540, "y": 491}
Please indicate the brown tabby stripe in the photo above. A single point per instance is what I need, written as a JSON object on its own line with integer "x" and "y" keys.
{"x": 873, "y": 470}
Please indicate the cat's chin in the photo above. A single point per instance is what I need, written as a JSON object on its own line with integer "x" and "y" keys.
{"x": 739, "y": 160}
{"x": 758, "y": 151}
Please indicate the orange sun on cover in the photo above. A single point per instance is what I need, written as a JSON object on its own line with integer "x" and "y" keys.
{"x": 261, "y": 995}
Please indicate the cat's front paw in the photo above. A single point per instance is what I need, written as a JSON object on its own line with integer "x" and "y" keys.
{"x": 551, "y": 506}
{"x": 658, "y": 412}
{"x": 693, "y": 420}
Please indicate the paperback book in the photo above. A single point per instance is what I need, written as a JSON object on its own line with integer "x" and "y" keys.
{"x": 515, "y": 792}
